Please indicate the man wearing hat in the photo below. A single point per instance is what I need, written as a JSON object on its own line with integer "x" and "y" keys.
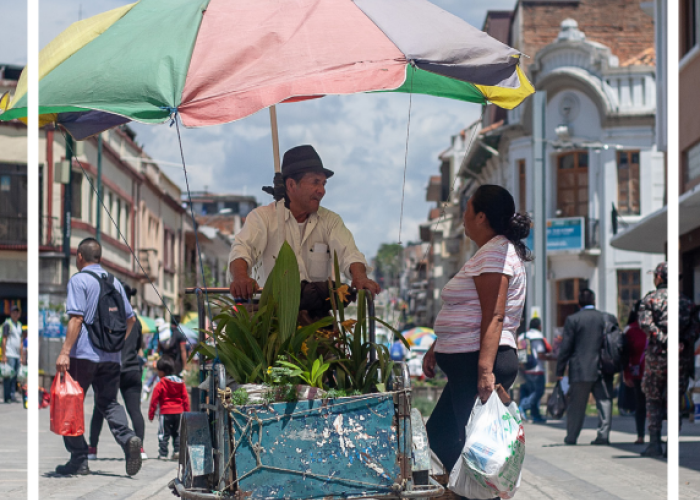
{"x": 313, "y": 232}
{"x": 11, "y": 351}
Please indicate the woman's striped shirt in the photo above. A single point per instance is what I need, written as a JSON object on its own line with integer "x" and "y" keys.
{"x": 458, "y": 325}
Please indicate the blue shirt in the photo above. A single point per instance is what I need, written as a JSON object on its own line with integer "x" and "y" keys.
{"x": 83, "y": 294}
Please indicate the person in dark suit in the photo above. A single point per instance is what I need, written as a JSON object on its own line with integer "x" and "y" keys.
{"x": 580, "y": 350}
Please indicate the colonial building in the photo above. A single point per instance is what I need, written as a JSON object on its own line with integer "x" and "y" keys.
{"x": 603, "y": 171}
{"x": 139, "y": 221}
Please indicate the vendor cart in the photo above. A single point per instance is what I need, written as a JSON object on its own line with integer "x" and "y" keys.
{"x": 366, "y": 446}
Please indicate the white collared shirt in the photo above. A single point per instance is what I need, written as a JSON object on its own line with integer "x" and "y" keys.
{"x": 325, "y": 233}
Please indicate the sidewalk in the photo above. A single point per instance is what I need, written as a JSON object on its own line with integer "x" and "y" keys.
{"x": 555, "y": 470}
{"x": 551, "y": 471}
{"x": 13, "y": 450}
{"x": 108, "y": 478}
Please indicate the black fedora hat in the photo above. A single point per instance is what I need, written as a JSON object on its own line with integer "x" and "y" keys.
{"x": 303, "y": 159}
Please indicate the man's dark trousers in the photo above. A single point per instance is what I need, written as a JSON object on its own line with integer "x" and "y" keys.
{"x": 104, "y": 378}
{"x": 602, "y": 390}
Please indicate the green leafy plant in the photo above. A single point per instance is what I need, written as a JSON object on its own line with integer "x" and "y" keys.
{"x": 240, "y": 397}
{"x": 310, "y": 372}
{"x": 247, "y": 344}
{"x": 355, "y": 370}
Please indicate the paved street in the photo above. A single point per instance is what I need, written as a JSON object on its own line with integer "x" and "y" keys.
{"x": 13, "y": 451}
{"x": 108, "y": 479}
{"x": 552, "y": 470}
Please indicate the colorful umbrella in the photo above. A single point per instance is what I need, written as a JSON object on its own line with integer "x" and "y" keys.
{"x": 148, "y": 325}
{"x": 190, "y": 320}
{"x": 414, "y": 335}
{"x": 216, "y": 61}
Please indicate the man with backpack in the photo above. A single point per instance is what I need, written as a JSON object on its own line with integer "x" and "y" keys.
{"x": 532, "y": 350}
{"x": 100, "y": 320}
{"x": 580, "y": 349}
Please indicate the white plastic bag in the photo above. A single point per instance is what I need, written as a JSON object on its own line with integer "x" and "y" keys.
{"x": 491, "y": 462}
{"x": 23, "y": 374}
{"x": 6, "y": 371}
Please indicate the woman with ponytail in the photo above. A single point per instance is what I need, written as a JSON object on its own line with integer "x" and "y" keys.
{"x": 476, "y": 327}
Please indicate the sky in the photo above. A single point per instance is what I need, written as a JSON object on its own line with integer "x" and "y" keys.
{"x": 361, "y": 137}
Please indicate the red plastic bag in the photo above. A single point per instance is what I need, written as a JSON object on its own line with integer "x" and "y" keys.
{"x": 66, "y": 406}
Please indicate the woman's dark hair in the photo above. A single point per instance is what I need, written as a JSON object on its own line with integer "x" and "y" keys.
{"x": 634, "y": 313}
{"x": 498, "y": 206}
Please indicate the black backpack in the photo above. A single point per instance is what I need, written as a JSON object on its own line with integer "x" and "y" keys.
{"x": 612, "y": 348}
{"x": 527, "y": 355}
{"x": 108, "y": 328}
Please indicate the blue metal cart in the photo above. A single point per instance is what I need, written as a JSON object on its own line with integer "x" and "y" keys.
{"x": 367, "y": 446}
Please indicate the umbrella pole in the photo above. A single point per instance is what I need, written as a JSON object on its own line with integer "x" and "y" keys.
{"x": 275, "y": 137}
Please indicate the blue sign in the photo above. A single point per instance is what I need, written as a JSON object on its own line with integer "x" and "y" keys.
{"x": 566, "y": 234}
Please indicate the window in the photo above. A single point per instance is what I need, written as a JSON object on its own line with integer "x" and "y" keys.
{"x": 689, "y": 25}
{"x": 572, "y": 184}
{"x": 691, "y": 167}
{"x": 567, "y": 297}
{"x": 628, "y": 182}
{"x": 118, "y": 217}
{"x": 522, "y": 187}
{"x": 628, "y": 292}
{"x": 233, "y": 206}
{"x": 76, "y": 183}
{"x": 13, "y": 204}
{"x": 168, "y": 249}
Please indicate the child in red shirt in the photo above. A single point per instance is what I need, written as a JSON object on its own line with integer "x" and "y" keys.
{"x": 171, "y": 395}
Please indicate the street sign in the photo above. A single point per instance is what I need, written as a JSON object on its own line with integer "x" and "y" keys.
{"x": 565, "y": 234}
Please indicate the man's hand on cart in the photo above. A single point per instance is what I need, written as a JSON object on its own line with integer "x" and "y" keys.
{"x": 244, "y": 288}
{"x": 360, "y": 281}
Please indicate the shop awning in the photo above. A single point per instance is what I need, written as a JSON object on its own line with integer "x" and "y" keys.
{"x": 650, "y": 234}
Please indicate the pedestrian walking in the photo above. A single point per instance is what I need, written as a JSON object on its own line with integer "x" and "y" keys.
{"x": 532, "y": 390}
{"x": 91, "y": 366}
{"x": 130, "y": 385}
{"x": 634, "y": 369}
{"x": 172, "y": 343}
{"x": 580, "y": 351}
{"x": 171, "y": 400}
{"x": 11, "y": 352}
{"x": 476, "y": 327}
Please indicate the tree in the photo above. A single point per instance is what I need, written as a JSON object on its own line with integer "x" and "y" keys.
{"x": 388, "y": 263}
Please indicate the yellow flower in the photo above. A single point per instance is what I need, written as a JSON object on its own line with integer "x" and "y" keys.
{"x": 269, "y": 370}
{"x": 349, "y": 325}
{"x": 304, "y": 348}
{"x": 343, "y": 292}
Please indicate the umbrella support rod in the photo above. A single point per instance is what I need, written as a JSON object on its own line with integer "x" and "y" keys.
{"x": 275, "y": 137}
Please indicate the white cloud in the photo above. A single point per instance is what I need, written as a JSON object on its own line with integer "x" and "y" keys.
{"x": 361, "y": 137}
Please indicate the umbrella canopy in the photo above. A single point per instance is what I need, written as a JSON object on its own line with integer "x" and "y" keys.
{"x": 148, "y": 325}
{"x": 191, "y": 335}
{"x": 216, "y": 61}
{"x": 414, "y": 336}
{"x": 191, "y": 320}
